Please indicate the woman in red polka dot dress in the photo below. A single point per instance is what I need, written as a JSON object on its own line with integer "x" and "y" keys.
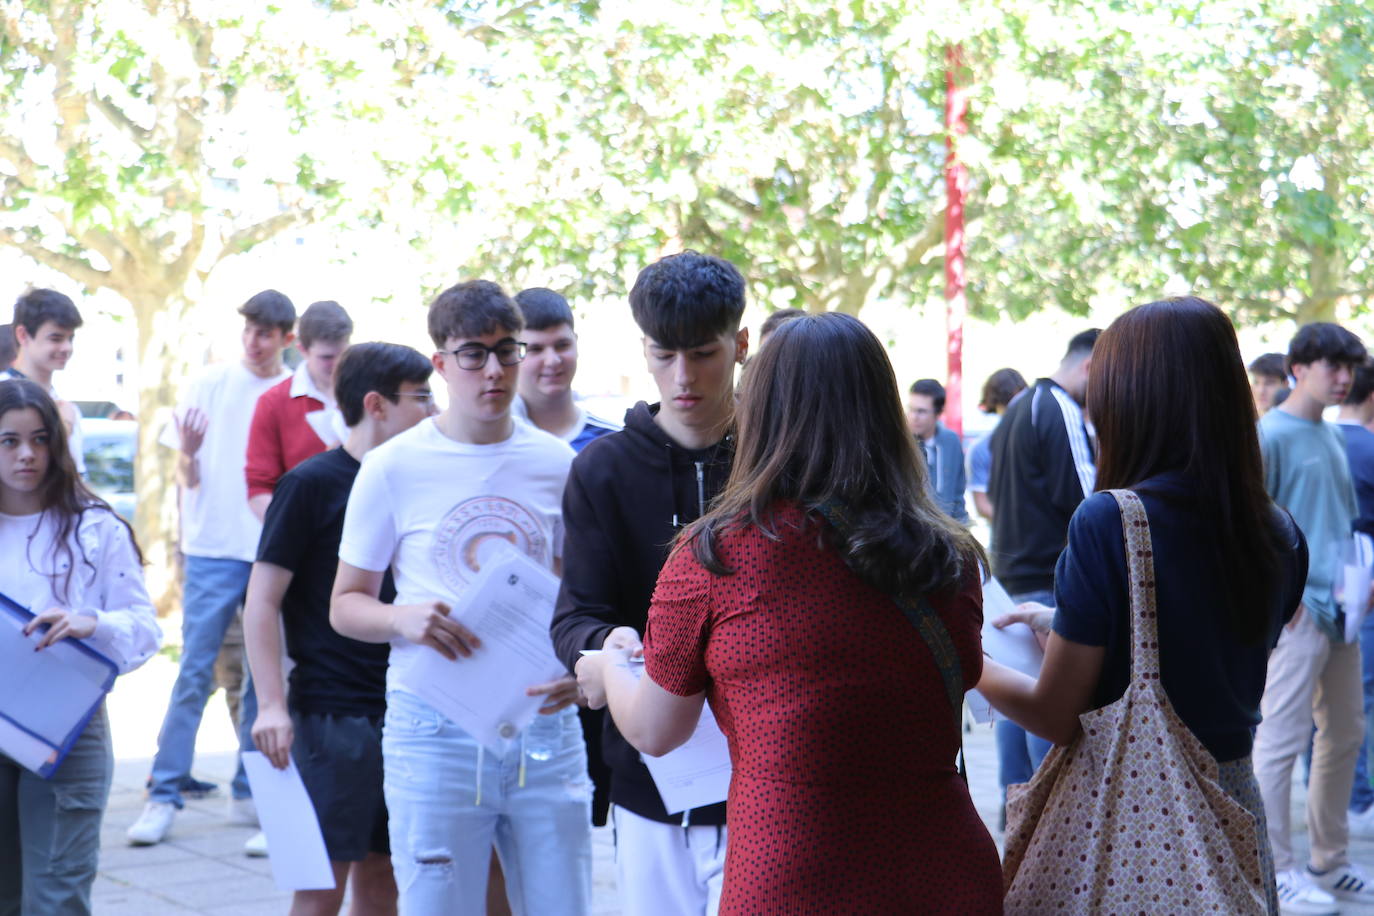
{"x": 845, "y": 796}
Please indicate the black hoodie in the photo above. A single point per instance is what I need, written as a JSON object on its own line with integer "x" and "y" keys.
{"x": 628, "y": 495}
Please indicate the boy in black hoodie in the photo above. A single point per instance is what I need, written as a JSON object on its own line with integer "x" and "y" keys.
{"x": 628, "y": 495}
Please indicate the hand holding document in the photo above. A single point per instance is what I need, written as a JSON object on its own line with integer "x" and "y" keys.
{"x": 508, "y": 606}
{"x": 1014, "y": 645}
{"x": 695, "y": 774}
{"x": 47, "y": 696}
{"x": 294, "y": 842}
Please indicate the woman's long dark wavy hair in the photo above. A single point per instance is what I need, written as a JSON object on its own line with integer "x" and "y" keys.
{"x": 820, "y": 420}
{"x": 1168, "y": 392}
{"x": 62, "y": 491}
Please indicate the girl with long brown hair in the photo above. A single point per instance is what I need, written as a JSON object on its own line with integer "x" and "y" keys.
{"x": 1176, "y": 425}
{"x": 73, "y": 563}
{"x": 790, "y": 607}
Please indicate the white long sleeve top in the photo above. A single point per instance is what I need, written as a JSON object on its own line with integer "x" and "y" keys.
{"x": 107, "y": 582}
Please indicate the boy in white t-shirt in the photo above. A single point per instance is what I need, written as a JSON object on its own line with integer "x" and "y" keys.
{"x": 431, "y": 504}
{"x": 45, "y": 323}
{"x": 219, "y": 538}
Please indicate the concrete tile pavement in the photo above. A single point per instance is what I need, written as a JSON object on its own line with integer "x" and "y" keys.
{"x": 201, "y": 868}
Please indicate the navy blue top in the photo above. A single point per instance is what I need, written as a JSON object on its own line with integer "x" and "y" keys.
{"x": 1213, "y": 681}
{"x": 1359, "y": 449}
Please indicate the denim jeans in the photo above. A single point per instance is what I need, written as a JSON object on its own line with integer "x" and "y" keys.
{"x": 50, "y": 828}
{"x": 215, "y": 590}
{"x": 1019, "y": 753}
{"x": 449, "y": 800}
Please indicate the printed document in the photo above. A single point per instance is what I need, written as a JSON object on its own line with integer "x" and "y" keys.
{"x": 508, "y": 606}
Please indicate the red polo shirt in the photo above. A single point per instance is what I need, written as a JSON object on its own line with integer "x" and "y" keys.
{"x": 280, "y": 437}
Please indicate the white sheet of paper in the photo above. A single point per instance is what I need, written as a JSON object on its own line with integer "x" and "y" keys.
{"x": 1014, "y": 646}
{"x": 697, "y": 773}
{"x": 509, "y": 606}
{"x": 48, "y": 692}
{"x": 295, "y": 845}
{"x": 1356, "y": 581}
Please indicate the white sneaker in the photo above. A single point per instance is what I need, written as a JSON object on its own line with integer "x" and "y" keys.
{"x": 1298, "y": 895}
{"x": 241, "y": 812}
{"x": 152, "y": 825}
{"x": 1362, "y": 823}
{"x": 256, "y": 847}
{"x": 1348, "y": 882}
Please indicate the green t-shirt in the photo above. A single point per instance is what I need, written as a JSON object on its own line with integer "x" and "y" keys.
{"x": 1307, "y": 473}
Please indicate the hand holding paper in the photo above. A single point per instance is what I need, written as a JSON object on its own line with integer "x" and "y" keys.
{"x": 485, "y": 693}
{"x": 1015, "y": 644}
{"x": 431, "y": 625}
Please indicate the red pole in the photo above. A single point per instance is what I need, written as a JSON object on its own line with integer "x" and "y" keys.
{"x": 956, "y": 186}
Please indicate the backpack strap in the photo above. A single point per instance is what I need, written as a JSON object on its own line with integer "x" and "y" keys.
{"x": 933, "y": 632}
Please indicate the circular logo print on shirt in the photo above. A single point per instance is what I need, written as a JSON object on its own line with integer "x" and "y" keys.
{"x": 474, "y": 530}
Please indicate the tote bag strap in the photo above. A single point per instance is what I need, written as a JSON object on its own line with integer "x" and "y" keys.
{"x": 933, "y": 632}
{"x": 1140, "y": 563}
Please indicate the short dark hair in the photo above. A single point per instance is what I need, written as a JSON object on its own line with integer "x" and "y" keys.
{"x": 473, "y": 308}
{"x": 686, "y": 299}
{"x": 37, "y": 306}
{"x": 270, "y": 309}
{"x": 1270, "y": 365}
{"x": 1325, "y": 340}
{"x": 777, "y": 318}
{"x": 1000, "y": 388}
{"x": 1362, "y": 385}
{"x": 933, "y": 390}
{"x": 379, "y": 367}
{"x": 325, "y": 320}
{"x": 543, "y": 308}
{"x": 1082, "y": 343}
{"x": 9, "y": 347}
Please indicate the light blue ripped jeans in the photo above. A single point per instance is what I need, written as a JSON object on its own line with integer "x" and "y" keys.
{"x": 449, "y": 800}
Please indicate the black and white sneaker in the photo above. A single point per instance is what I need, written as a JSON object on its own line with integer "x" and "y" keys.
{"x": 1346, "y": 882}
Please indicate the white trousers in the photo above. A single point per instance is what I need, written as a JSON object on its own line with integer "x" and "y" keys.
{"x": 667, "y": 869}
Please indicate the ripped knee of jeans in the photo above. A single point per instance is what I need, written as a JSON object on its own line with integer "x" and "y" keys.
{"x": 438, "y": 858}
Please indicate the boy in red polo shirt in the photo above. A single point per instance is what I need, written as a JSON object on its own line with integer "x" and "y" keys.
{"x": 298, "y": 418}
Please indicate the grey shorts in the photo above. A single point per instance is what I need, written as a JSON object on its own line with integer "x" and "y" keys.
{"x": 340, "y": 761}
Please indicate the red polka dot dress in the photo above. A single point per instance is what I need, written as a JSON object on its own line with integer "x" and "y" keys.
{"x": 845, "y": 797}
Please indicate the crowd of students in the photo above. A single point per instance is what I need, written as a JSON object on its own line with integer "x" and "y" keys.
{"x": 796, "y": 553}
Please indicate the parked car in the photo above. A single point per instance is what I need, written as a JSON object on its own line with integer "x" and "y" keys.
{"x": 110, "y": 447}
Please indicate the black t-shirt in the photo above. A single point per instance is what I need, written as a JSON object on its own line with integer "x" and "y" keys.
{"x": 334, "y": 675}
{"x": 1213, "y": 681}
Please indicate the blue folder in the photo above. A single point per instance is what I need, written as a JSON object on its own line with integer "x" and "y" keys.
{"x": 47, "y": 697}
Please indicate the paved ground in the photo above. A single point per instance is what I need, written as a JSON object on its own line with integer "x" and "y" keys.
{"x": 201, "y": 868}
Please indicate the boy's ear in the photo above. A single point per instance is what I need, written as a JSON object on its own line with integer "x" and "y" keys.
{"x": 741, "y": 345}
{"x": 21, "y": 334}
{"x": 374, "y": 405}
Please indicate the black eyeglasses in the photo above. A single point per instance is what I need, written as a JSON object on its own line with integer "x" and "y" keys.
{"x": 475, "y": 356}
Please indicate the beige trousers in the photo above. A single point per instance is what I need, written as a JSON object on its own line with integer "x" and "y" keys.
{"x": 1311, "y": 679}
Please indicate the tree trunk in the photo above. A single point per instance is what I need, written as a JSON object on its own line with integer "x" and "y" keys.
{"x": 1326, "y": 274}
{"x": 161, "y": 367}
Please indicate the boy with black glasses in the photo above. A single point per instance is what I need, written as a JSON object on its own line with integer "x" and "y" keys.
{"x": 432, "y": 505}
